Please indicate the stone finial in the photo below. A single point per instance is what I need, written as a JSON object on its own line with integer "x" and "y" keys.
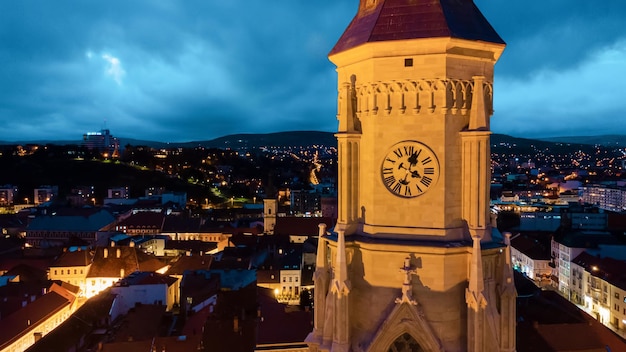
{"x": 407, "y": 294}
{"x": 320, "y": 260}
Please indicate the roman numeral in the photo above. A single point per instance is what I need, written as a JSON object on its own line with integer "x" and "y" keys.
{"x": 429, "y": 170}
{"x": 426, "y": 181}
{"x": 409, "y": 150}
{"x": 398, "y": 152}
{"x": 387, "y": 170}
{"x": 389, "y": 180}
{"x": 418, "y": 188}
{"x": 390, "y": 160}
{"x": 397, "y": 187}
{"x": 407, "y": 191}
{"x": 426, "y": 161}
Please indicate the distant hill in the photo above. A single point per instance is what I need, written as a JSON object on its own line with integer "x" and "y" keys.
{"x": 278, "y": 139}
{"x": 604, "y": 140}
{"x": 308, "y": 138}
{"x": 234, "y": 141}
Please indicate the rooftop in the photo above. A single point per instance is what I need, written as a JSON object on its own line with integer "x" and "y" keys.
{"x": 386, "y": 20}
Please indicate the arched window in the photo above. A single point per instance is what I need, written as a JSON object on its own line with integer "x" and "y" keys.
{"x": 405, "y": 343}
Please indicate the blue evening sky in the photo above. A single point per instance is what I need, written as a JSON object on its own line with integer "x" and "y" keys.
{"x": 175, "y": 71}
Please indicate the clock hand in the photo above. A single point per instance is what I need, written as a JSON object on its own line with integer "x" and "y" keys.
{"x": 404, "y": 181}
{"x": 415, "y": 174}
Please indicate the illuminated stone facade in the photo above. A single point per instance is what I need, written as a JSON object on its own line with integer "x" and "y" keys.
{"x": 412, "y": 263}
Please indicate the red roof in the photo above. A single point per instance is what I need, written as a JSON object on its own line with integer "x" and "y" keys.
{"x": 21, "y": 322}
{"x": 144, "y": 220}
{"x": 301, "y": 226}
{"x": 75, "y": 258}
{"x": 414, "y": 19}
{"x": 279, "y": 324}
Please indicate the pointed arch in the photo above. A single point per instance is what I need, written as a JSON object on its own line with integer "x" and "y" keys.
{"x": 405, "y": 342}
{"x": 405, "y": 319}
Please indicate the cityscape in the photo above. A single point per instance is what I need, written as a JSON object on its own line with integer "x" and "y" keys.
{"x": 446, "y": 178}
{"x": 86, "y": 244}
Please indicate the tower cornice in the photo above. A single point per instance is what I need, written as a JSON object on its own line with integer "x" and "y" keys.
{"x": 453, "y": 47}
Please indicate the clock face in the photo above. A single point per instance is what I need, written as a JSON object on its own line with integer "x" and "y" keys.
{"x": 409, "y": 169}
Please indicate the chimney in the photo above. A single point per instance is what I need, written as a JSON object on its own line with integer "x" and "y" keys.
{"x": 106, "y": 253}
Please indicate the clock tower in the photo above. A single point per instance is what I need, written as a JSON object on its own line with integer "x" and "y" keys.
{"x": 413, "y": 262}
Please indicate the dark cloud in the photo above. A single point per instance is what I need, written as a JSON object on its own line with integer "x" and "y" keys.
{"x": 180, "y": 71}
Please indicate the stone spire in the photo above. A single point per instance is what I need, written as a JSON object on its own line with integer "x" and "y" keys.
{"x": 475, "y": 298}
{"x": 321, "y": 279}
{"x": 341, "y": 283}
{"x": 476, "y": 302}
{"x": 479, "y": 119}
{"x": 320, "y": 259}
{"x": 341, "y": 289}
{"x": 508, "y": 296}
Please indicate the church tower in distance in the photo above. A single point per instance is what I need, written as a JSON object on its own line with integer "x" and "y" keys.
{"x": 413, "y": 263}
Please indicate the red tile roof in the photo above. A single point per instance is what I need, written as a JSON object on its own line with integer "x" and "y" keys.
{"x": 21, "y": 322}
{"x": 279, "y": 324}
{"x": 302, "y": 226}
{"x": 415, "y": 19}
{"x": 76, "y": 258}
{"x": 130, "y": 259}
{"x": 194, "y": 262}
{"x": 144, "y": 220}
{"x": 148, "y": 278}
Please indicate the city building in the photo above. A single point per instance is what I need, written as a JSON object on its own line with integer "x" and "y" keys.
{"x": 36, "y": 318}
{"x": 147, "y": 288}
{"x": 81, "y": 196}
{"x": 600, "y": 285}
{"x": 113, "y": 263}
{"x": 305, "y": 202}
{"x": 7, "y": 193}
{"x": 72, "y": 267}
{"x": 531, "y": 257}
{"x": 569, "y": 245}
{"x": 63, "y": 226}
{"x": 44, "y": 194}
{"x": 103, "y": 142}
{"x": 118, "y": 193}
{"x": 605, "y": 197}
{"x": 414, "y": 262}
